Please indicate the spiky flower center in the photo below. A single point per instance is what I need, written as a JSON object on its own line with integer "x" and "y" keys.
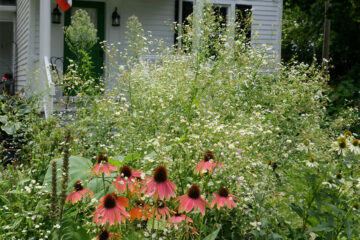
{"x": 110, "y": 201}
{"x": 160, "y": 174}
{"x": 177, "y": 214}
{"x": 104, "y": 235}
{"x": 102, "y": 158}
{"x": 78, "y": 186}
{"x": 126, "y": 171}
{"x": 356, "y": 142}
{"x": 140, "y": 203}
{"x": 194, "y": 192}
{"x": 161, "y": 204}
{"x": 223, "y": 192}
{"x": 342, "y": 142}
{"x": 209, "y": 155}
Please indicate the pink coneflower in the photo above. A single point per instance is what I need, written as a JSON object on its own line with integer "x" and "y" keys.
{"x": 223, "y": 197}
{"x": 111, "y": 209}
{"x": 102, "y": 166}
{"x": 162, "y": 211}
{"x": 127, "y": 179}
{"x": 141, "y": 211}
{"x": 80, "y": 192}
{"x": 207, "y": 163}
{"x": 159, "y": 185}
{"x": 179, "y": 218}
{"x": 192, "y": 200}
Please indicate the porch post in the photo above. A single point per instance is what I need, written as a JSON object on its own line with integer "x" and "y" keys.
{"x": 45, "y": 40}
{"x": 180, "y": 13}
{"x": 45, "y": 52}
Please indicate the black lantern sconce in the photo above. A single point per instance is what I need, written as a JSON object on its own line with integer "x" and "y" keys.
{"x": 56, "y": 15}
{"x": 115, "y": 18}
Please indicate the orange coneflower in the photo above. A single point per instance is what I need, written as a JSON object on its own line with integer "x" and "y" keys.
{"x": 127, "y": 179}
{"x": 223, "y": 197}
{"x": 141, "y": 211}
{"x": 192, "y": 200}
{"x": 80, "y": 192}
{"x": 111, "y": 209}
{"x": 162, "y": 211}
{"x": 159, "y": 185}
{"x": 207, "y": 163}
{"x": 102, "y": 165}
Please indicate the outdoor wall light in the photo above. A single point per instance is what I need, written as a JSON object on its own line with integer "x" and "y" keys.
{"x": 56, "y": 15}
{"x": 115, "y": 18}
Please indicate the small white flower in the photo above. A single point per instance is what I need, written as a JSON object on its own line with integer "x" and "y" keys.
{"x": 93, "y": 200}
{"x": 146, "y": 234}
{"x": 57, "y": 226}
{"x": 37, "y": 226}
{"x": 231, "y": 146}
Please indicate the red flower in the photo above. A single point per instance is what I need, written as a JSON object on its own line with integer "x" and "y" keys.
{"x": 127, "y": 179}
{"x": 111, "y": 209}
{"x": 80, "y": 192}
{"x": 223, "y": 197}
{"x": 192, "y": 200}
{"x": 141, "y": 211}
{"x": 4, "y": 78}
{"x": 207, "y": 163}
{"x": 159, "y": 185}
{"x": 102, "y": 166}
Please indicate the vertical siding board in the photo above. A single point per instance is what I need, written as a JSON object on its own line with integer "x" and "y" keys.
{"x": 22, "y": 42}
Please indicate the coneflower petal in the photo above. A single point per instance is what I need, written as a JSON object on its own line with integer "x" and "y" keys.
{"x": 190, "y": 205}
{"x": 201, "y": 207}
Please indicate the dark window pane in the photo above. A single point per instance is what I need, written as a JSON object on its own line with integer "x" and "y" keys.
{"x": 243, "y": 17}
{"x": 221, "y": 14}
{"x": 188, "y": 9}
{"x": 8, "y": 2}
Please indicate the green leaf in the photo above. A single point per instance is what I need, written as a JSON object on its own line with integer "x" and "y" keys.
{"x": 117, "y": 161}
{"x": 132, "y": 157}
{"x": 9, "y": 128}
{"x": 296, "y": 208}
{"x": 3, "y": 119}
{"x": 79, "y": 170}
{"x": 323, "y": 227}
{"x": 213, "y": 235}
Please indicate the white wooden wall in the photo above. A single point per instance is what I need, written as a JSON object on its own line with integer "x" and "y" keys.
{"x": 22, "y": 42}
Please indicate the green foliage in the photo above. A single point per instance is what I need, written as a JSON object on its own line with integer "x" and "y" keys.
{"x": 302, "y": 41}
{"x": 81, "y": 34}
{"x": 16, "y": 118}
{"x": 81, "y": 37}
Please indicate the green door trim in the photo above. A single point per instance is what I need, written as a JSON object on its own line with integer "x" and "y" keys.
{"x": 100, "y": 26}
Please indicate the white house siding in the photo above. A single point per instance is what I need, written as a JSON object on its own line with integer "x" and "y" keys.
{"x": 266, "y": 22}
{"x": 22, "y": 42}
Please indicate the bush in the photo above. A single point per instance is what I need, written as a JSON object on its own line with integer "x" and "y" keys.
{"x": 265, "y": 123}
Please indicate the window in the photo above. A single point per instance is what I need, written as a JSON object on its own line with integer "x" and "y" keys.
{"x": 187, "y": 9}
{"x": 221, "y": 13}
{"x": 242, "y": 19}
{"x": 8, "y": 2}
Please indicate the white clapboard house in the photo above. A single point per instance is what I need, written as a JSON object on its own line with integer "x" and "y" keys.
{"x": 30, "y": 32}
